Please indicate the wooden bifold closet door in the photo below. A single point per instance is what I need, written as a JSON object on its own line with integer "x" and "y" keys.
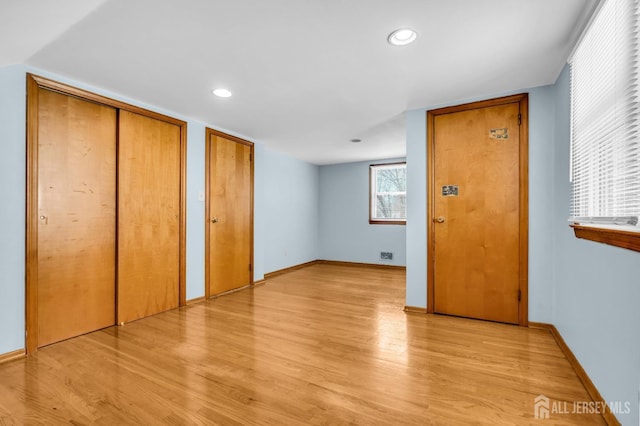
{"x": 105, "y": 212}
{"x": 148, "y": 216}
{"x": 76, "y": 216}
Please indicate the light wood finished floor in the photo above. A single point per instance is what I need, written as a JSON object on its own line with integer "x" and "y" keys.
{"x": 321, "y": 345}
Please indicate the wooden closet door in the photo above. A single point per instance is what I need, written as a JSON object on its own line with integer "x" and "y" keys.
{"x": 477, "y": 262}
{"x": 148, "y": 216}
{"x": 478, "y": 210}
{"x": 77, "y": 216}
{"x": 231, "y": 214}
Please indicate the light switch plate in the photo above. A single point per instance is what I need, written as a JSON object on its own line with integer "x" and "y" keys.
{"x": 201, "y": 196}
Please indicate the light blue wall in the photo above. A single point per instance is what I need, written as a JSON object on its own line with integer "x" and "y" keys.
{"x": 345, "y": 232}
{"x": 195, "y": 209}
{"x": 260, "y": 210}
{"x": 291, "y": 199}
{"x": 12, "y": 207}
{"x": 596, "y": 288}
{"x": 541, "y": 185}
{"x": 416, "y": 237}
{"x": 541, "y": 122}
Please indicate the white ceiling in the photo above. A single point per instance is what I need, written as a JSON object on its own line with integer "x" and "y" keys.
{"x": 28, "y": 25}
{"x": 307, "y": 75}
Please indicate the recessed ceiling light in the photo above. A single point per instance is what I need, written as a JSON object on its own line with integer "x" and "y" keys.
{"x": 402, "y": 36}
{"x": 222, "y": 93}
{"x": 356, "y": 140}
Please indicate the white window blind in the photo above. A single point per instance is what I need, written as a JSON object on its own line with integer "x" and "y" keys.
{"x": 605, "y": 118}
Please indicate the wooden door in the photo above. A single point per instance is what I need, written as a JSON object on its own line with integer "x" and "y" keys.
{"x": 76, "y": 228}
{"x": 478, "y": 216}
{"x": 148, "y": 216}
{"x": 230, "y": 213}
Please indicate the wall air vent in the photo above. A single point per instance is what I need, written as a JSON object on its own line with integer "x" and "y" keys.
{"x": 386, "y": 255}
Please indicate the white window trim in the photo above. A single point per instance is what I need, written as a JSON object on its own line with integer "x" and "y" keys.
{"x": 372, "y": 192}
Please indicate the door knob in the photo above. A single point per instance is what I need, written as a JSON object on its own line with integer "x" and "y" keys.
{"x": 214, "y": 220}
{"x": 440, "y": 219}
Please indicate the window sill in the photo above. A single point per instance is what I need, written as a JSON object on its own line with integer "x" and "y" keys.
{"x": 387, "y": 222}
{"x": 619, "y": 238}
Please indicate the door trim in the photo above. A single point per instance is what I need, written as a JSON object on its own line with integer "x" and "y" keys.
{"x": 523, "y": 101}
{"x": 207, "y": 208}
{"x": 34, "y": 85}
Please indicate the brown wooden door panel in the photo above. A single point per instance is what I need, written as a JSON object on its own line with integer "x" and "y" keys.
{"x": 148, "y": 216}
{"x": 230, "y": 208}
{"x": 77, "y": 211}
{"x": 80, "y": 214}
{"x": 476, "y": 250}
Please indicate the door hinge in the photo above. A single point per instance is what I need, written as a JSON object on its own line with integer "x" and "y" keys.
{"x": 519, "y": 119}
{"x": 519, "y": 295}
{"x": 250, "y": 157}
{"x": 249, "y": 267}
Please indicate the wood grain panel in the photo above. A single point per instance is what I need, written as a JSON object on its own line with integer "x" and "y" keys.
{"x": 615, "y": 237}
{"x": 149, "y": 197}
{"x": 230, "y": 220}
{"x": 476, "y": 259}
{"x": 76, "y": 211}
{"x": 323, "y": 345}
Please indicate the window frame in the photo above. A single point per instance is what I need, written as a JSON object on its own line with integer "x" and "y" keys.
{"x": 626, "y": 237}
{"x": 378, "y": 221}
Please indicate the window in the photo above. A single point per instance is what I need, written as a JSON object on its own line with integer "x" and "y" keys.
{"x": 605, "y": 126}
{"x": 388, "y": 193}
